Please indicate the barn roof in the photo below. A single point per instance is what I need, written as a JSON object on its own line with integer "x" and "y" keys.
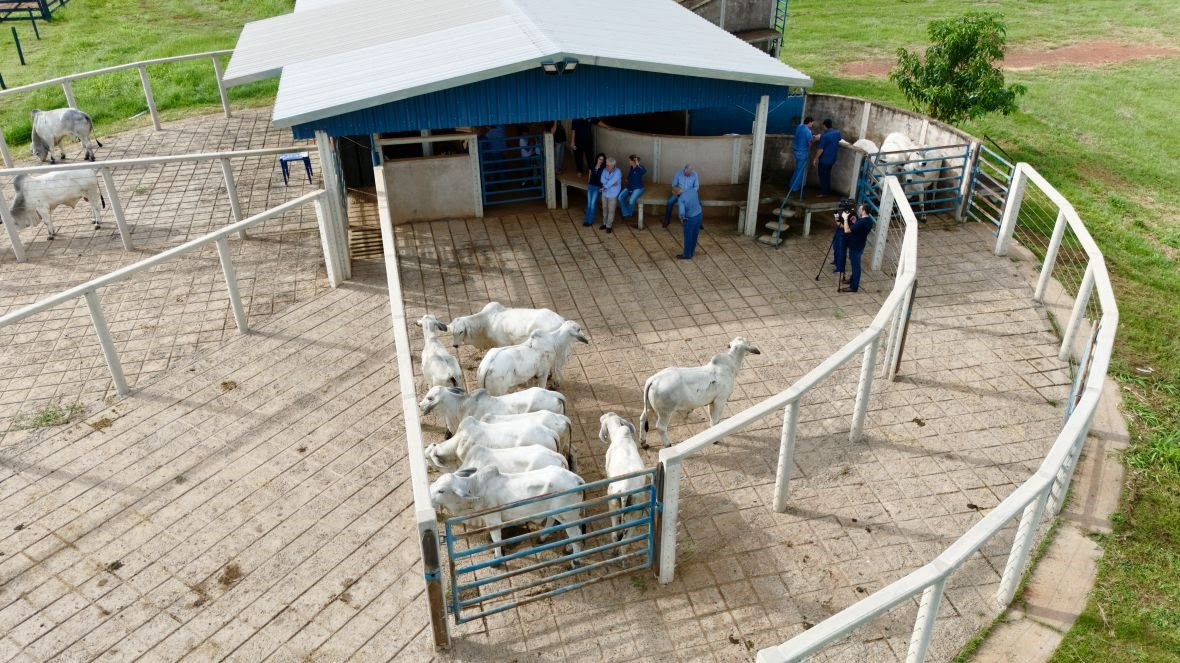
{"x": 342, "y": 56}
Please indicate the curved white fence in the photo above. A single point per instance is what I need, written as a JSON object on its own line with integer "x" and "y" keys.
{"x": 1042, "y": 494}
{"x": 66, "y": 83}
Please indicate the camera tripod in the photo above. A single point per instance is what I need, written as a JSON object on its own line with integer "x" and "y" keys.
{"x": 824, "y": 263}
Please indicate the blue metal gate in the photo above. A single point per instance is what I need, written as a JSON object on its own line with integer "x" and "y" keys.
{"x": 932, "y": 178}
{"x": 530, "y": 570}
{"x": 512, "y": 168}
{"x": 989, "y": 187}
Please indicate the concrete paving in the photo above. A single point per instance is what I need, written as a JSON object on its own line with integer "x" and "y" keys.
{"x": 252, "y": 501}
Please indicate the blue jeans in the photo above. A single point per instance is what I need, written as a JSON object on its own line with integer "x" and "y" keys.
{"x": 692, "y": 230}
{"x": 668, "y": 208}
{"x": 592, "y": 193}
{"x": 825, "y": 177}
{"x": 800, "y": 175}
{"x": 627, "y": 201}
{"x": 854, "y": 256}
{"x": 840, "y": 257}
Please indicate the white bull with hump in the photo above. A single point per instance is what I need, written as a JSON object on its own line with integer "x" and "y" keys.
{"x": 38, "y": 195}
{"x": 50, "y": 127}
{"x": 453, "y": 404}
{"x": 675, "y": 389}
{"x": 497, "y": 326}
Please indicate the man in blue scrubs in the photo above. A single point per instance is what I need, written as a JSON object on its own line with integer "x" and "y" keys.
{"x": 693, "y": 215}
{"x": 825, "y": 156}
{"x": 856, "y": 234}
{"x": 801, "y": 146}
{"x": 685, "y": 180}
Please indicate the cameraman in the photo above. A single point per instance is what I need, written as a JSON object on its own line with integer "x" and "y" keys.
{"x": 856, "y": 233}
{"x": 839, "y": 249}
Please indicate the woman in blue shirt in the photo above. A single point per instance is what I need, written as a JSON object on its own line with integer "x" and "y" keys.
{"x": 634, "y": 189}
{"x": 593, "y": 188}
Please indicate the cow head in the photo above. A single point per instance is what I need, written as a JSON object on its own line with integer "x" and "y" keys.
{"x": 430, "y": 323}
{"x": 574, "y": 330}
{"x": 611, "y": 419}
{"x": 743, "y": 346}
{"x": 452, "y": 493}
{"x": 458, "y": 329}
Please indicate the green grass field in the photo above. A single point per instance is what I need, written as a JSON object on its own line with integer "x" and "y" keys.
{"x": 91, "y": 34}
{"x": 1105, "y": 137}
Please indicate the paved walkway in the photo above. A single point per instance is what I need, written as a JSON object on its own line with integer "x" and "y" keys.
{"x": 253, "y": 504}
{"x": 163, "y": 316}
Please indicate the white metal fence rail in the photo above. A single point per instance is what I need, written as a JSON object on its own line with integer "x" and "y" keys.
{"x": 89, "y": 290}
{"x": 66, "y": 83}
{"x": 888, "y": 324}
{"x": 104, "y": 169}
{"x": 1040, "y": 496}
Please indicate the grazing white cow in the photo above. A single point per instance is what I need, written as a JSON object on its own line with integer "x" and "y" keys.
{"x": 504, "y": 368}
{"x": 622, "y": 458}
{"x": 49, "y": 127}
{"x": 453, "y": 404}
{"x": 38, "y": 195}
{"x": 439, "y": 367}
{"x": 513, "y": 460}
{"x": 676, "y": 389}
{"x": 469, "y": 490}
{"x": 495, "y": 435}
{"x": 496, "y": 326}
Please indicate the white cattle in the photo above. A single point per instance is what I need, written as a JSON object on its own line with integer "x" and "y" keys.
{"x": 496, "y": 326}
{"x": 453, "y": 404}
{"x": 622, "y": 458}
{"x": 867, "y": 146}
{"x": 676, "y": 389}
{"x": 469, "y": 491}
{"x": 896, "y": 152}
{"x": 38, "y": 195}
{"x": 498, "y": 435}
{"x": 49, "y": 127}
{"x": 558, "y": 423}
{"x": 439, "y": 367}
{"x": 510, "y": 461}
{"x": 504, "y": 368}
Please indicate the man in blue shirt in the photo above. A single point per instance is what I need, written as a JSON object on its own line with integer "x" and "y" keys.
{"x": 634, "y": 189}
{"x": 825, "y": 156}
{"x": 612, "y": 179}
{"x": 856, "y": 234}
{"x": 693, "y": 215}
{"x": 801, "y": 147}
{"x": 685, "y": 180}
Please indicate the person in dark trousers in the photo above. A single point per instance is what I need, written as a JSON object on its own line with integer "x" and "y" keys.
{"x": 582, "y": 142}
{"x": 825, "y": 156}
{"x": 558, "y": 130}
{"x": 594, "y": 188}
{"x": 856, "y": 233}
{"x": 801, "y": 147}
{"x": 693, "y": 215}
{"x": 839, "y": 248}
{"x": 634, "y": 190}
{"x": 685, "y": 180}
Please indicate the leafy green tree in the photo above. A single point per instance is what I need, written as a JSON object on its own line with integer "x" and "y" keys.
{"x": 958, "y": 78}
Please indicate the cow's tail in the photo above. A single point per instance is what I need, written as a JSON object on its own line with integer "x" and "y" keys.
{"x": 643, "y": 415}
{"x": 18, "y": 181}
{"x": 561, "y": 399}
{"x": 102, "y": 200}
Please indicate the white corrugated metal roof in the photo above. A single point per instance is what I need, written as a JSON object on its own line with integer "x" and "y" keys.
{"x": 337, "y": 56}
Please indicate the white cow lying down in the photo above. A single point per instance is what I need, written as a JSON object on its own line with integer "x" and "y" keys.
{"x": 497, "y": 325}
{"x": 676, "y": 389}
{"x": 453, "y": 404}
{"x": 38, "y": 195}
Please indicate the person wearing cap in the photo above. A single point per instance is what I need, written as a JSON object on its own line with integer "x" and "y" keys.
{"x": 685, "y": 180}
{"x": 612, "y": 179}
{"x": 692, "y": 214}
{"x": 825, "y": 156}
{"x": 801, "y": 147}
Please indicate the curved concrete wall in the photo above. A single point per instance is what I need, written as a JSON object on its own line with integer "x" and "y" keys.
{"x": 717, "y": 159}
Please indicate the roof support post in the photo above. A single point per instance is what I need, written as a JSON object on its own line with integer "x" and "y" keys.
{"x": 550, "y": 172}
{"x": 756, "y": 153}
{"x": 334, "y": 220}
{"x": 427, "y": 148}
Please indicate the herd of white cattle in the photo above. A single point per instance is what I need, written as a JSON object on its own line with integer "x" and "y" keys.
{"x": 918, "y": 167}
{"x": 38, "y": 195}
{"x": 504, "y": 446}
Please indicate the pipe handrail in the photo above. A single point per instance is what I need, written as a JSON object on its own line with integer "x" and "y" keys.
{"x": 107, "y": 70}
{"x": 143, "y": 162}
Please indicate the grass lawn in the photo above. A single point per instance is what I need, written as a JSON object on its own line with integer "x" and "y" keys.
{"x": 1105, "y": 136}
{"x": 91, "y": 34}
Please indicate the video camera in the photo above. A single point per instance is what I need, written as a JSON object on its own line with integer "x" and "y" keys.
{"x": 846, "y": 207}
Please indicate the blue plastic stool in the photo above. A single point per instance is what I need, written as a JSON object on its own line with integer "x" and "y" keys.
{"x": 285, "y": 159}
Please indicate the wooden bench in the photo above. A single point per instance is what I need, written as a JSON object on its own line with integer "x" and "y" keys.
{"x": 711, "y": 195}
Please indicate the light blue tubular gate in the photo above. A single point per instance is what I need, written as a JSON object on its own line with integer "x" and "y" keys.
{"x": 532, "y": 568}
{"x": 510, "y": 172}
{"x": 932, "y": 177}
{"x": 990, "y": 180}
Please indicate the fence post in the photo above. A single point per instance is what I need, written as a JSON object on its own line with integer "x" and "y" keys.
{"x": 334, "y": 253}
{"x": 221, "y": 84}
{"x": 1079, "y": 310}
{"x": 865, "y": 389}
{"x": 231, "y": 189}
{"x": 231, "y": 284}
{"x": 786, "y": 455}
{"x": 334, "y": 197}
{"x": 671, "y": 471}
{"x": 904, "y": 327}
{"x": 924, "y": 625}
{"x": 881, "y": 232}
{"x": 431, "y": 570}
{"x": 550, "y": 172}
{"x": 1060, "y": 486}
{"x": 4, "y": 153}
{"x": 151, "y": 100}
{"x": 1021, "y": 545}
{"x": 1016, "y": 190}
{"x": 1050, "y": 257}
{"x": 68, "y": 88}
{"x": 968, "y": 176}
{"x": 107, "y": 343}
{"x": 117, "y": 209}
{"x": 18, "y": 248}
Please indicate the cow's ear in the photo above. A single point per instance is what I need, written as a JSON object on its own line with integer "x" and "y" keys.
{"x": 466, "y": 472}
{"x": 630, "y": 426}
{"x": 458, "y": 391}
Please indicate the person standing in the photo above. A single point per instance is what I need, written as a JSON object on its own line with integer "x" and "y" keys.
{"x": 593, "y": 188}
{"x": 693, "y": 216}
{"x": 582, "y": 142}
{"x": 612, "y": 179}
{"x": 839, "y": 249}
{"x": 856, "y": 234}
{"x": 634, "y": 190}
{"x": 558, "y": 130}
{"x": 529, "y": 156}
{"x": 801, "y": 147}
{"x": 826, "y": 152}
{"x": 685, "y": 180}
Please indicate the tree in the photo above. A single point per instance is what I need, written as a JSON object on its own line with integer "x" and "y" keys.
{"x": 958, "y": 78}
